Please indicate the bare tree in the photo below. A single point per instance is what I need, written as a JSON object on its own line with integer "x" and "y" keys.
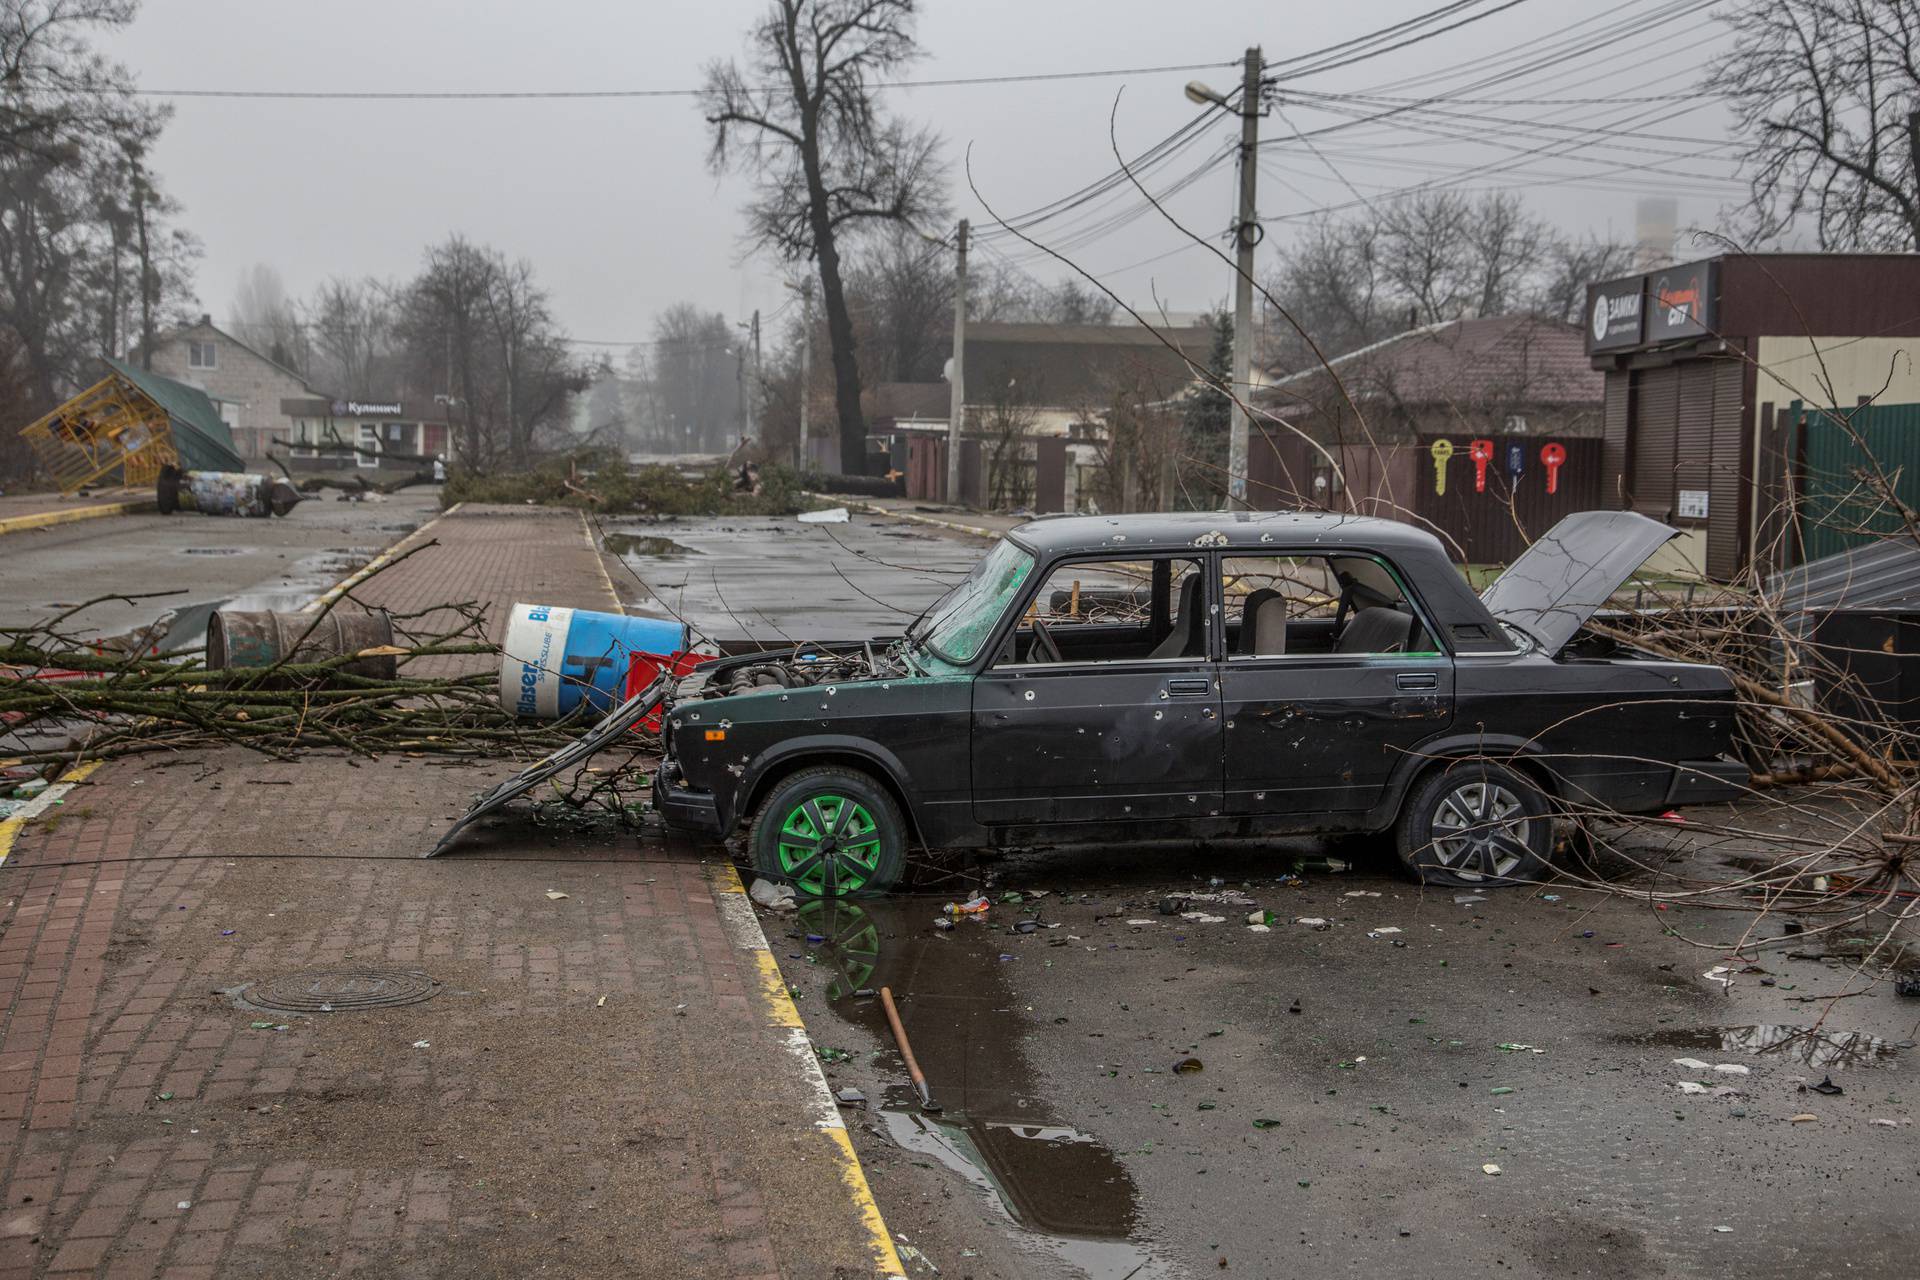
{"x": 85, "y": 238}
{"x": 1333, "y": 284}
{"x": 1560, "y": 290}
{"x": 901, "y": 297}
{"x": 694, "y": 377}
{"x": 1425, "y": 255}
{"x": 349, "y": 324}
{"x": 1827, "y": 96}
{"x": 1508, "y": 245}
{"x": 481, "y": 327}
{"x": 263, "y": 316}
{"x": 803, "y": 118}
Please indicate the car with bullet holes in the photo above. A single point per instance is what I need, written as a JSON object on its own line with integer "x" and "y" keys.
{"x": 1209, "y": 676}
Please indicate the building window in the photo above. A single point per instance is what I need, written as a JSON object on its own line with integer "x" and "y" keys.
{"x": 202, "y": 355}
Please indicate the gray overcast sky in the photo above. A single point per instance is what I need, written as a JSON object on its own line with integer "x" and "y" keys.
{"x": 613, "y": 204}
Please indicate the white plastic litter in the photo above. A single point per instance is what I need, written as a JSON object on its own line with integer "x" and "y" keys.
{"x": 1313, "y": 922}
{"x": 1732, "y": 1069}
{"x": 1691, "y": 1064}
{"x": 835, "y": 515}
{"x": 768, "y": 894}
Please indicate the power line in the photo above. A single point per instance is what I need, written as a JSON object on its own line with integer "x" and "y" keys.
{"x": 517, "y": 95}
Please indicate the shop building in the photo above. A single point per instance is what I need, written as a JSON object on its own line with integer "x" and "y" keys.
{"x": 1716, "y": 373}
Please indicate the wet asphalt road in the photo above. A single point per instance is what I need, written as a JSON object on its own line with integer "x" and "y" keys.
{"x": 776, "y": 579}
{"x": 208, "y": 561}
{"x": 1351, "y": 1090}
{"x": 1351, "y": 1087}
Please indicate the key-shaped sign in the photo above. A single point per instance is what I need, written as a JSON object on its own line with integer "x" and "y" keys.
{"x": 1442, "y": 450}
{"x": 1553, "y": 456}
{"x": 1481, "y": 451}
{"x": 1516, "y": 461}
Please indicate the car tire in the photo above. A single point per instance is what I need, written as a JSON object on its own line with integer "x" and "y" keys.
{"x": 1475, "y": 824}
{"x": 862, "y": 829}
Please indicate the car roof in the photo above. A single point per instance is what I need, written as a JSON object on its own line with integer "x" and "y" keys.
{"x": 1177, "y": 530}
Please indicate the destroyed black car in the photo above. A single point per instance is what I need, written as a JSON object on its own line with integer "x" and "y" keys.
{"x": 1208, "y": 675}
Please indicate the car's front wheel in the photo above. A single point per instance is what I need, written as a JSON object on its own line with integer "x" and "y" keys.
{"x": 1475, "y": 823}
{"x": 829, "y": 832}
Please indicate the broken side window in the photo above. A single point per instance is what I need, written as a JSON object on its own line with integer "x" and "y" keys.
{"x": 1114, "y": 611}
{"x": 1294, "y": 605}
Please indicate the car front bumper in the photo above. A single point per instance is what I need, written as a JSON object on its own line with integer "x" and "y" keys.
{"x": 684, "y": 809}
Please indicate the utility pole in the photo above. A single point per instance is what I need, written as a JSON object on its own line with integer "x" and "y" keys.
{"x": 806, "y": 371}
{"x": 957, "y": 380}
{"x": 758, "y": 374}
{"x": 1246, "y": 234}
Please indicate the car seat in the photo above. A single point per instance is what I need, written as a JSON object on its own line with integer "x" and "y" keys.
{"x": 1377, "y": 630}
{"x": 1187, "y": 638}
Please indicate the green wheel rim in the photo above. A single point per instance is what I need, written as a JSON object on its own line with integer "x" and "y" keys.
{"x": 829, "y": 845}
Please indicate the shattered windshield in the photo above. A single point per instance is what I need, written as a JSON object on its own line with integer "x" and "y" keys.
{"x": 960, "y": 623}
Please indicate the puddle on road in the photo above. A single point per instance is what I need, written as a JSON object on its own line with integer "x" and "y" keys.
{"x": 1834, "y": 1050}
{"x": 184, "y": 630}
{"x": 1065, "y": 1192}
{"x": 646, "y": 545}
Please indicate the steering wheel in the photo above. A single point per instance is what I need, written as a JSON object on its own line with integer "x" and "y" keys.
{"x": 1043, "y": 643}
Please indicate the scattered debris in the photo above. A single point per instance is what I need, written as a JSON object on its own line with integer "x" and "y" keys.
{"x": 1188, "y": 1066}
{"x": 775, "y": 897}
{"x": 1314, "y": 922}
{"x": 1491, "y": 1170}
{"x": 554, "y": 895}
{"x": 1827, "y": 1087}
{"x": 833, "y": 515}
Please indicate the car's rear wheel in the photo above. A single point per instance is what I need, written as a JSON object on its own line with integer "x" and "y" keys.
{"x": 830, "y": 832}
{"x": 1475, "y": 823}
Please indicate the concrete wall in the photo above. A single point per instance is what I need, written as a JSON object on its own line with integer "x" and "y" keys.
{"x": 1836, "y": 372}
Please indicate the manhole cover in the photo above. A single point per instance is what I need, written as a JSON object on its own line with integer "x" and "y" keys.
{"x": 339, "y": 990}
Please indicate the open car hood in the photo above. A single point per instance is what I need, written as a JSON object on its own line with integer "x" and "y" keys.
{"x": 1558, "y": 583}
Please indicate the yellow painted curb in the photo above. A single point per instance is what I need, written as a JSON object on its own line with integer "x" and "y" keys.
{"x": 373, "y": 566}
{"x": 600, "y": 561}
{"x": 10, "y": 828}
{"x": 736, "y": 913}
{"x": 47, "y": 519}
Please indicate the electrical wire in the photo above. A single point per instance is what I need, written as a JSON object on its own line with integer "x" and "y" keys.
{"x": 521, "y": 95}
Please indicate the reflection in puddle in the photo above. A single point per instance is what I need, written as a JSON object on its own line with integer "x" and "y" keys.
{"x": 1064, "y": 1187}
{"x": 638, "y": 544}
{"x": 184, "y": 630}
{"x": 1068, "y": 1194}
{"x": 1827, "y": 1049}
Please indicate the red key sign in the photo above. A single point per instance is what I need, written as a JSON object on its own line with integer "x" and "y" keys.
{"x": 1481, "y": 451}
{"x": 1553, "y": 456}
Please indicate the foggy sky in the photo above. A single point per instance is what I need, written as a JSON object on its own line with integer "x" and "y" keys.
{"x": 612, "y": 202}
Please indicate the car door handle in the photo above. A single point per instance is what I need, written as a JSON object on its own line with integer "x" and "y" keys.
{"x": 1189, "y": 686}
{"x": 1416, "y": 680}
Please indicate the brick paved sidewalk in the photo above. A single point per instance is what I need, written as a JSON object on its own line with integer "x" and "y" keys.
{"x": 608, "y": 1082}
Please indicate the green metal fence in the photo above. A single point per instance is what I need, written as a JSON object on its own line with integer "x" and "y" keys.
{"x": 1837, "y": 455}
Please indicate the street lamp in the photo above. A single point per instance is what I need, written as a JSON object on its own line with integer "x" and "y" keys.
{"x": 1201, "y": 94}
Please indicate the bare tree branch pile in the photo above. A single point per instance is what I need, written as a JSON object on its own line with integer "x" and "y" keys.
{"x": 64, "y": 698}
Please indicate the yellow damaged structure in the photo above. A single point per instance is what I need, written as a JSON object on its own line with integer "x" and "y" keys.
{"x": 124, "y": 428}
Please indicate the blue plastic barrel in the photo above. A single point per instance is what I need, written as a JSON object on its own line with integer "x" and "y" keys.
{"x": 554, "y": 657}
